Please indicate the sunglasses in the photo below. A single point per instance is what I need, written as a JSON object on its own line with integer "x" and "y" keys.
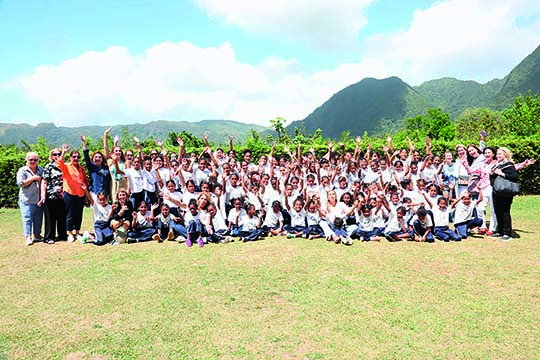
{"x": 32, "y": 159}
{"x": 56, "y": 154}
{"x": 76, "y": 157}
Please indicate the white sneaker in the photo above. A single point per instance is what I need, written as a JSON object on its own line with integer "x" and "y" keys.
{"x": 71, "y": 238}
{"x": 29, "y": 241}
{"x": 506, "y": 238}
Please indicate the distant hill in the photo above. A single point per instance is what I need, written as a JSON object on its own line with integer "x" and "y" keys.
{"x": 453, "y": 95}
{"x": 365, "y": 106}
{"x": 381, "y": 105}
{"x": 217, "y": 131}
{"x": 524, "y": 77}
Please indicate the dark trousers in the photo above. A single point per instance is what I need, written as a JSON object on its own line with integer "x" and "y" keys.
{"x": 55, "y": 219}
{"x": 502, "y": 207}
{"x": 74, "y": 211}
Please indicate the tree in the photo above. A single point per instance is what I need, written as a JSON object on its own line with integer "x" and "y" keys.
{"x": 436, "y": 125}
{"x": 278, "y": 124}
{"x": 524, "y": 117}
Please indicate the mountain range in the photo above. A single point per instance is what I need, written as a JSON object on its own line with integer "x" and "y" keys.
{"x": 217, "y": 131}
{"x": 382, "y": 105}
{"x": 370, "y": 105}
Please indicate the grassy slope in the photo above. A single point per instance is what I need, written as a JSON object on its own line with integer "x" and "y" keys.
{"x": 276, "y": 298}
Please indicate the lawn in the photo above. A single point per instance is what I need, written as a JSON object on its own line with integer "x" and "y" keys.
{"x": 272, "y": 299}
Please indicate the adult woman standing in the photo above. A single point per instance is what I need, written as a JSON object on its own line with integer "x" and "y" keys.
{"x": 502, "y": 203}
{"x": 118, "y": 181}
{"x": 100, "y": 175}
{"x": 460, "y": 170}
{"x": 29, "y": 181}
{"x": 74, "y": 195}
{"x": 53, "y": 193}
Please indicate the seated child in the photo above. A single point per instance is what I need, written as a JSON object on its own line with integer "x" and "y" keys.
{"x": 466, "y": 216}
{"x": 298, "y": 218}
{"x": 215, "y": 226}
{"x": 422, "y": 224}
{"x": 313, "y": 219}
{"x": 396, "y": 229}
{"x": 250, "y": 224}
{"x": 142, "y": 226}
{"x": 195, "y": 229}
{"x": 102, "y": 214}
{"x": 273, "y": 223}
{"x": 368, "y": 225}
{"x": 441, "y": 218}
{"x": 166, "y": 222}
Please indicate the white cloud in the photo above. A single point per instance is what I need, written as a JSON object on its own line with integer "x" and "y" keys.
{"x": 178, "y": 81}
{"x": 469, "y": 39}
{"x": 320, "y": 24}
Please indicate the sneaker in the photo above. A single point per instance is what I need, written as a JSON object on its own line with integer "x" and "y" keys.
{"x": 229, "y": 239}
{"x": 506, "y": 238}
{"x": 79, "y": 237}
{"x": 291, "y": 236}
{"x": 328, "y": 238}
{"x": 84, "y": 238}
{"x": 482, "y": 231}
{"x": 131, "y": 240}
{"x": 181, "y": 239}
{"x": 188, "y": 242}
{"x": 309, "y": 237}
{"x": 115, "y": 243}
{"x": 376, "y": 238}
{"x": 50, "y": 241}
{"x": 29, "y": 241}
{"x": 337, "y": 240}
{"x": 156, "y": 237}
{"x": 495, "y": 235}
{"x": 70, "y": 238}
{"x": 170, "y": 235}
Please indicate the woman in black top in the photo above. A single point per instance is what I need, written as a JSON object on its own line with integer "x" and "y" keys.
{"x": 502, "y": 204}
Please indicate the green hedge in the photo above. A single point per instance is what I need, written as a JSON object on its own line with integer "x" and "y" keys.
{"x": 12, "y": 158}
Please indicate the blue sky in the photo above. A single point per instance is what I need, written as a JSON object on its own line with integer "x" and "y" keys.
{"x": 109, "y": 63}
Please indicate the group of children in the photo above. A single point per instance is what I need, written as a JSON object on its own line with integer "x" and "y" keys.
{"x": 341, "y": 197}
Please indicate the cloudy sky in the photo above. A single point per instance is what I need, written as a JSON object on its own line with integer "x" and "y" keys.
{"x": 108, "y": 62}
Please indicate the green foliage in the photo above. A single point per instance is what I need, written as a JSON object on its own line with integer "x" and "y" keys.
{"x": 278, "y": 124}
{"x": 523, "y": 118}
{"x": 472, "y": 121}
{"x": 435, "y": 125}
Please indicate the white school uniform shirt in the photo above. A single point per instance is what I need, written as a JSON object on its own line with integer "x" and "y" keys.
{"x": 313, "y": 218}
{"x": 200, "y": 175}
{"x": 298, "y": 218}
{"x": 150, "y": 181}
{"x": 175, "y": 195}
{"x": 142, "y": 222}
{"x": 166, "y": 220}
{"x": 270, "y": 195}
{"x": 426, "y": 223}
{"x": 165, "y": 176}
{"x": 218, "y": 222}
{"x": 234, "y": 192}
{"x": 393, "y": 224}
{"x": 135, "y": 179}
{"x": 464, "y": 212}
{"x": 312, "y": 190}
{"x": 272, "y": 218}
{"x": 367, "y": 223}
{"x": 233, "y": 214}
{"x": 253, "y": 199}
{"x": 370, "y": 176}
{"x": 429, "y": 174}
{"x": 441, "y": 217}
{"x": 100, "y": 213}
{"x": 249, "y": 224}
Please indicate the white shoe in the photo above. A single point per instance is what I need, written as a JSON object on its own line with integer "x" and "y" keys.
{"x": 29, "y": 241}
{"x": 71, "y": 238}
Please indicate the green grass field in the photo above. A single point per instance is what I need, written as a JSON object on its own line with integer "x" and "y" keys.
{"x": 273, "y": 299}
